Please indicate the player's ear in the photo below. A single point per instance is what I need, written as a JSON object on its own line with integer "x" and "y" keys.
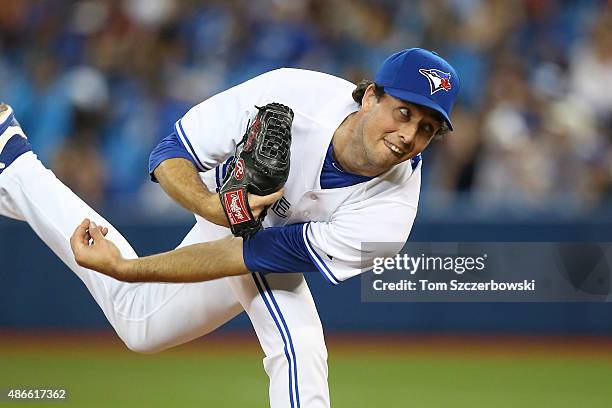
{"x": 369, "y": 98}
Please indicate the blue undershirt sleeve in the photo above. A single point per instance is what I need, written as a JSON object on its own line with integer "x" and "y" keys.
{"x": 170, "y": 147}
{"x": 278, "y": 250}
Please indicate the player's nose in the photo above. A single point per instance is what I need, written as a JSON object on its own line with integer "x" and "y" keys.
{"x": 407, "y": 133}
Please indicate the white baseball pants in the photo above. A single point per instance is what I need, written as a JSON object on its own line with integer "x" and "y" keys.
{"x": 151, "y": 317}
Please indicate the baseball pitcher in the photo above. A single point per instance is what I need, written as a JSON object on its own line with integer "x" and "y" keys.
{"x": 287, "y": 173}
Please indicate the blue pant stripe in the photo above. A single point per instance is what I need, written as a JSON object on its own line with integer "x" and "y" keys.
{"x": 295, "y": 376}
{"x": 262, "y": 292}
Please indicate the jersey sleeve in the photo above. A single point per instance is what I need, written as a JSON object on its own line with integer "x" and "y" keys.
{"x": 277, "y": 250}
{"x": 169, "y": 147}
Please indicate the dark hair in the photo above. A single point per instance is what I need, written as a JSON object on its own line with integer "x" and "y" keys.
{"x": 379, "y": 91}
{"x": 358, "y": 92}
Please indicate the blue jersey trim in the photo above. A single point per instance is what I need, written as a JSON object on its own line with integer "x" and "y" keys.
{"x": 316, "y": 259}
{"x": 183, "y": 137}
{"x": 168, "y": 148}
{"x": 334, "y": 176}
{"x": 274, "y": 309}
{"x": 414, "y": 162}
{"x": 9, "y": 121}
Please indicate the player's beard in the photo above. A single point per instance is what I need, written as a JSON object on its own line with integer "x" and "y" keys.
{"x": 365, "y": 154}
{"x": 365, "y": 157}
{"x": 372, "y": 159}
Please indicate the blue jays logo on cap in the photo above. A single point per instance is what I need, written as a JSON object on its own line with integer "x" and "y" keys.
{"x": 438, "y": 80}
{"x": 416, "y": 75}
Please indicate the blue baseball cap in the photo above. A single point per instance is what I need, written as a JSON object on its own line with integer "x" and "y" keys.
{"x": 421, "y": 77}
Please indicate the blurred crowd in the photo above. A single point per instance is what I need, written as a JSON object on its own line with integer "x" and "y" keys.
{"x": 97, "y": 83}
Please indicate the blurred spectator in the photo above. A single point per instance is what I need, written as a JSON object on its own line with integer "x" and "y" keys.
{"x": 78, "y": 162}
{"x": 591, "y": 70}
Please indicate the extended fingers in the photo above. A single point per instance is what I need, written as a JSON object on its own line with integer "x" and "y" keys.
{"x": 80, "y": 236}
{"x": 95, "y": 231}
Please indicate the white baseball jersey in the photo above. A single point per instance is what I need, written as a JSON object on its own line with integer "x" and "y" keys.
{"x": 337, "y": 220}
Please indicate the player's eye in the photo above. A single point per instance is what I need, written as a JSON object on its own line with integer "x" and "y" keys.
{"x": 427, "y": 128}
{"x": 405, "y": 112}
